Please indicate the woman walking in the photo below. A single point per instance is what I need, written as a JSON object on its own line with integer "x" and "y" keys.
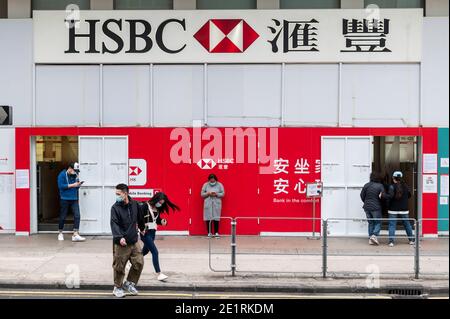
{"x": 371, "y": 197}
{"x": 152, "y": 211}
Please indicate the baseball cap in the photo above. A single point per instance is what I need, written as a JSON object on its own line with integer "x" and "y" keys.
{"x": 397, "y": 174}
{"x": 75, "y": 166}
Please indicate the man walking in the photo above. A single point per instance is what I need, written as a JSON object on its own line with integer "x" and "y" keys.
{"x": 126, "y": 217}
{"x": 68, "y": 185}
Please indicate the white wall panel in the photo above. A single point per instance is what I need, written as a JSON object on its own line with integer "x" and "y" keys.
{"x": 126, "y": 95}
{"x": 67, "y": 95}
{"x": 311, "y": 94}
{"x": 435, "y": 72}
{"x": 7, "y": 179}
{"x": 380, "y": 95}
{"x": 16, "y": 68}
{"x": 244, "y": 95}
{"x": 178, "y": 94}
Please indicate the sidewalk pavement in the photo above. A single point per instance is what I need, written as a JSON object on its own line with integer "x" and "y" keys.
{"x": 40, "y": 261}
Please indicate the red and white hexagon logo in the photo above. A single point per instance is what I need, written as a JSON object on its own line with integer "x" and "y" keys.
{"x": 226, "y": 36}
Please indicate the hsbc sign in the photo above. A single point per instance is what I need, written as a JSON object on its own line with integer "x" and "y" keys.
{"x": 222, "y": 36}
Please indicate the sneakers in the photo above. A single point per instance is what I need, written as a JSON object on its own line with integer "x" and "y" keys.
{"x": 162, "y": 277}
{"x": 374, "y": 240}
{"x": 411, "y": 243}
{"x": 118, "y": 292}
{"x": 60, "y": 236}
{"x": 77, "y": 237}
{"x": 131, "y": 288}
{"x": 217, "y": 235}
{"x": 210, "y": 235}
{"x": 391, "y": 244}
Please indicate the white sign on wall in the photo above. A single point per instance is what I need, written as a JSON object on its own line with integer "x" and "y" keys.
{"x": 430, "y": 163}
{"x": 228, "y": 36}
{"x": 137, "y": 172}
{"x": 430, "y": 184}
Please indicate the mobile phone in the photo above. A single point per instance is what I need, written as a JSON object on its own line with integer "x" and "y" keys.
{"x": 82, "y": 182}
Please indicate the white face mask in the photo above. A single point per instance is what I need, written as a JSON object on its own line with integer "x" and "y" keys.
{"x": 158, "y": 205}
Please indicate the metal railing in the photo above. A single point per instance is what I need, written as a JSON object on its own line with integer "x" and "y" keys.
{"x": 325, "y": 243}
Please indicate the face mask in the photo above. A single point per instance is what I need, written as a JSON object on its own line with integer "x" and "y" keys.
{"x": 158, "y": 205}
{"x": 119, "y": 199}
{"x": 212, "y": 183}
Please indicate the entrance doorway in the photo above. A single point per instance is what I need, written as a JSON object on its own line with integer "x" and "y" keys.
{"x": 103, "y": 164}
{"x": 397, "y": 153}
{"x": 53, "y": 154}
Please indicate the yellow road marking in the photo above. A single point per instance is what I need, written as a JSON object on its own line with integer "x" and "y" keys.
{"x": 149, "y": 294}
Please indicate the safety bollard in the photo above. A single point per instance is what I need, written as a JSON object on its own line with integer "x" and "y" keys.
{"x": 324, "y": 247}
{"x": 233, "y": 248}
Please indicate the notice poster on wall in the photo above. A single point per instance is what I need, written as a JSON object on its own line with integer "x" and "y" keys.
{"x": 429, "y": 163}
{"x": 444, "y": 185}
{"x": 444, "y": 162}
{"x": 22, "y": 179}
{"x": 430, "y": 183}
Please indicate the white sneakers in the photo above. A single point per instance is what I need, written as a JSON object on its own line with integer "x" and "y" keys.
{"x": 118, "y": 292}
{"x": 373, "y": 240}
{"x": 76, "y": 237}
{"x": 131, "y": 288}
{"x": 162, "y": 277}
{"x": 391, "y": 244}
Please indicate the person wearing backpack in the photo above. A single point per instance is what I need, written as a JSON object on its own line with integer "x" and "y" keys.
{"x": 398, "y": 196}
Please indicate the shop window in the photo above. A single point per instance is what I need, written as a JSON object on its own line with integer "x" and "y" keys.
{"x": 310, "y": 4}
{"x": 59, "y": 4}
{"x": 226, "y": 4}
{"x": 396, "y": 3}
{"x": 143, "y": 4}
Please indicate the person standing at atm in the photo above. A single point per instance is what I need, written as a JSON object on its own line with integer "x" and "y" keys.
{"x": 68, "y": 185}
{"x": 371, "y": 196}
{"x": 212, "y": 193}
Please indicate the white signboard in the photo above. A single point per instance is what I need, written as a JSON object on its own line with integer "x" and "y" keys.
{"x": 430, "y": 183}
{"x": 227, "y": 36}
{"x": 141, "y": 193}
{"x": 22, "y": 178}
{"x": 443, "y": 200}
{"x": 430, "y": 163}
{"x": 314, "y": 189}
{"x": 444, "y": 185}
{"x": 444, "y": 162}
{"x": 137, "y": 172}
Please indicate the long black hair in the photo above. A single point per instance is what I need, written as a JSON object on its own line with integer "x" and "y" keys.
{"x": 165, "y": 208}
{"x": 400, "y": 187}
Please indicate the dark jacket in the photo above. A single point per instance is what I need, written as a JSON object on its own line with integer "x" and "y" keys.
{"x": 125, "y": 218}
{"x": 370, "y": 195}
{"x": 398, "y": 204}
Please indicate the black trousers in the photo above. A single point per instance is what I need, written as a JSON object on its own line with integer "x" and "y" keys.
{"x": 210, "y": 223}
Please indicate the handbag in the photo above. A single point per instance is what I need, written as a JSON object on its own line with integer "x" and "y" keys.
{"x": 151, "y": 225}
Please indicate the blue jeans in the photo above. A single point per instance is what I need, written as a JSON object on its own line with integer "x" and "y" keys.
{"x": 374, "y": 225}
{"x": 149, "y": 246}
{"x": 65, "y": 205}
{"x": 393, "y": 226}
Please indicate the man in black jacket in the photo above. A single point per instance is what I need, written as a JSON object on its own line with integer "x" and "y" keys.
{"x": 371, "y": 196}
{"x": 126, "y": 218}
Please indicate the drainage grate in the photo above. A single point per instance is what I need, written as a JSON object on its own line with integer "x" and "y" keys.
{"x": 406, "y": 292}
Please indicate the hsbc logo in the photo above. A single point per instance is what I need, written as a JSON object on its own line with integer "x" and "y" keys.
{"x": 135, "y": 171}
{"x": 131, "y": 36}
{"x": 226, "y": 36}
{"x": 206, "y": 163}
